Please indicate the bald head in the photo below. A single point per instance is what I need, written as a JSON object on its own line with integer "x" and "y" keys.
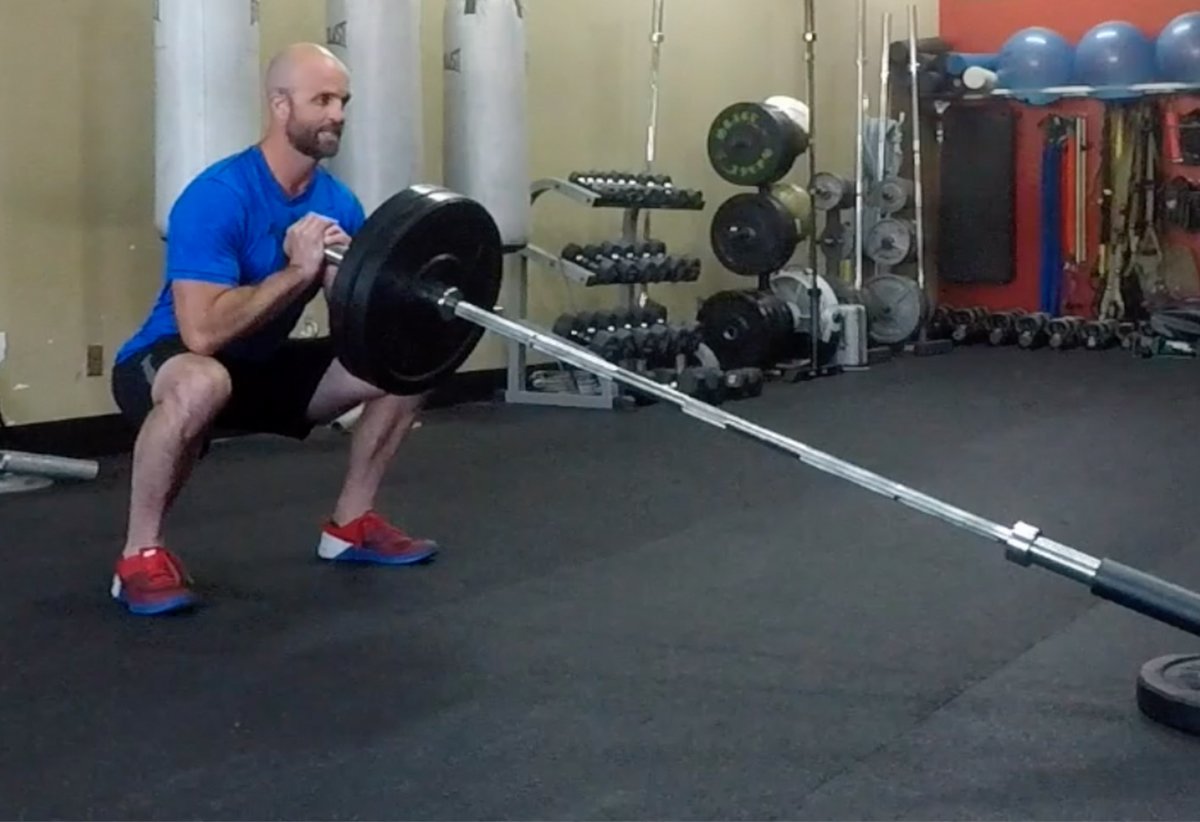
{"x": 307, "y": 89}
{"x": 298, "y": 62}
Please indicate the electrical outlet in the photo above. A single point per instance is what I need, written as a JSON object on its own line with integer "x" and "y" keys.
{"x": 95, "y": 360}
{"x": 3, "y": 345}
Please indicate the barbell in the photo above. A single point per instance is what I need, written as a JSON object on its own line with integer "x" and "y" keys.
{"x": 406, "y": 310}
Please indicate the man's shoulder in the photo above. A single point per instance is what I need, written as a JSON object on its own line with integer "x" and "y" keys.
{"x": 225, "y": 182}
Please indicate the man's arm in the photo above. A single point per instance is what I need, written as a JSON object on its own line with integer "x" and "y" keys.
{"x": 210, "y": 316}
{"x": 204, "y": 235}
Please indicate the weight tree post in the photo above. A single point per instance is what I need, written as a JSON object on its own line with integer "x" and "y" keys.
{"x": 923, "y": 345}
{"x": 657, "y": 36}
{"x": 860, "y": 176}
{"x": 814, "y": 293}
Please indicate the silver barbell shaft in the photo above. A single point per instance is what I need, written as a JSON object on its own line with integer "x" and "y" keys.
{"x": 1025, "y": 546}
{"x": 918, "y": 180}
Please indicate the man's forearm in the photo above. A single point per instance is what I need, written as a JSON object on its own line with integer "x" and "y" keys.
{"x": 238, "y": 312}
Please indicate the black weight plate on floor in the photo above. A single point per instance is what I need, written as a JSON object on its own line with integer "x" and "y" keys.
{"x": 1168, "y": 691}
{"x": 752, "y": 144}
{"x": 745, "y": 329}
{"x": 386, "y": 329}
{"x": 754, "y": 234}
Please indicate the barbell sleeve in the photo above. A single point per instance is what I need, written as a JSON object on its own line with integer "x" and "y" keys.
{"x": 1148, "y": 595}
{"x": 1025, "y": 545}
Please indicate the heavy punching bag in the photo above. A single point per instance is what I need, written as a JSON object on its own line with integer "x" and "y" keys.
{"x": 383, "y": 147}
{"x": 486, "y": 132}
{"x": 207, "y": 98}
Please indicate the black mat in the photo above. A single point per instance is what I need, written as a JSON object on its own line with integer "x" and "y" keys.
{"x": 635, "y": 617}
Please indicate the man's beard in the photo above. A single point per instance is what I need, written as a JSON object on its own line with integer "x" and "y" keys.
{"x": 308, "y": 140}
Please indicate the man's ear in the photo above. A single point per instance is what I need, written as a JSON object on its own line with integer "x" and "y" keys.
{"x": 279, "y": 104}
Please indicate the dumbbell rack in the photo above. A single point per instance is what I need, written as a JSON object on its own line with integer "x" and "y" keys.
{"x": 517, "y": 390}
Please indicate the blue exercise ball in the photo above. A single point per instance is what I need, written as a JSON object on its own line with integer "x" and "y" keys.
{"x": 1035, "y": 58}
{"x": 1114, "y": 55}
{"x": 1178, "y": 50}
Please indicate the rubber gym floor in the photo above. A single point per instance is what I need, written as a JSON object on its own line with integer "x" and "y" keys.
{"x": 634, "y": 617}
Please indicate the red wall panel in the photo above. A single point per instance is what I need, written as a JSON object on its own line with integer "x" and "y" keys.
{"x": 983, "y": 26}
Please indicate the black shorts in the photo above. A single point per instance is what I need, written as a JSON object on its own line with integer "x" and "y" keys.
{"x": 270, "y": 396}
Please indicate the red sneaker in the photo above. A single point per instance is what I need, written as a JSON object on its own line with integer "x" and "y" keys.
{"x": 371, "y": 538}
{"x": 152, "y": 581}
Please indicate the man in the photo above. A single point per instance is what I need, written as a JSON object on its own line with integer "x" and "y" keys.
{"x": 245, "y": 254}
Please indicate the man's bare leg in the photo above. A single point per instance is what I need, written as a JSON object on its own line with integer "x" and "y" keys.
{"x": 377, "y": 435}
{"x": 189, "y": 391}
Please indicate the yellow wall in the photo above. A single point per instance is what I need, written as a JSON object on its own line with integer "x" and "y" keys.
{"x": 80, "y": 255}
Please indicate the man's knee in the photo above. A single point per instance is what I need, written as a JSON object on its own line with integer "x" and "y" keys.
{"x": 195, "y": 387}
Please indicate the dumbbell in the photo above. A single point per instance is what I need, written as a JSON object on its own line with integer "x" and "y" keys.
{"x": 968, "y": 325}
{"x": 1144, "y": 345}
{"x": 1064, "y": 332}
{"x": 641, "y": 342}
{"x": 1100, "y": 335}
{"x": 1032, "y": 330}
{"x": 743, "y": 383}
{"x": 1127, "y": 334}
{"x": 704, "y": 384}
{"x": 605, "y": 344}
{"x": 690, "y": 338}
{"x": 614, "y": 346}
{"x": 658, "y": 343}
{"x": 651, "y": 313}
{"x": 609, "y": 250}
{"x": 1003, "y": 330}
{"x": 606, "y": 273}
{"x": 940, "y": 324}
{"x": 571, "y": 327}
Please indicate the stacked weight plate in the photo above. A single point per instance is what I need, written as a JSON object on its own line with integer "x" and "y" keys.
{"x": 754, "y": 234}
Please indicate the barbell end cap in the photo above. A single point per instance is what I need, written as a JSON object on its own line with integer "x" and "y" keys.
{"x": 1019, "y": 545}
{"x": 446, "y": 299}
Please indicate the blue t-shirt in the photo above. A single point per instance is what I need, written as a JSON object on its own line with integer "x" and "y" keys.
{"x": 228, "y": 227}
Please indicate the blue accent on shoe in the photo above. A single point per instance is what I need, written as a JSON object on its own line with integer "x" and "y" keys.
{"x": 366, "y": 555}
{"x": 166, "y": 606}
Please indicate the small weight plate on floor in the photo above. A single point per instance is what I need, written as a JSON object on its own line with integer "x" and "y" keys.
{"x": 1168, "y": 691}
{"x": 890, "y": 242}
{"x": 830, "y": 192}
{"x": 895, "y": 308}
{"x": 754, "y": 234}
{"x": 753, "y": 144}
